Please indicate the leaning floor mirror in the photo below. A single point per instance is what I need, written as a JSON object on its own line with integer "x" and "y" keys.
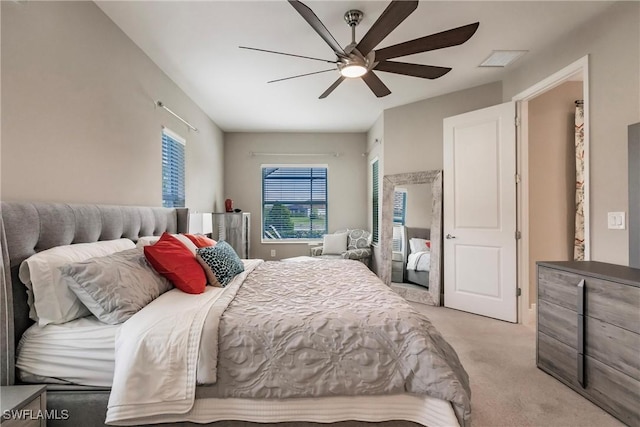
{"x": 401, "y": 255}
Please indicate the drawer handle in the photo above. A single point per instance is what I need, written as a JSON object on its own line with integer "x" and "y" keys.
{"x": 580, "y": 355}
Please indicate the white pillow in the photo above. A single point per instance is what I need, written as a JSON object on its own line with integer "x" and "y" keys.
{"x": 187, "y": 242}
{"x": 152, "y": 240}
{"x": 334, "y": 244}
{"x": 147, "y": 241}
{"x": 53, "y": 301}
{"x": 419, "y": 245}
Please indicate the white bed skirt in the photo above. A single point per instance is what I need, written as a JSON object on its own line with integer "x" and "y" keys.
{"x": 428, "y": 411}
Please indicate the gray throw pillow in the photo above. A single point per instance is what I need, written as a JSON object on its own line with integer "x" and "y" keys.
{"x": 115, "y": 287}
{"x": 220, "y": 263}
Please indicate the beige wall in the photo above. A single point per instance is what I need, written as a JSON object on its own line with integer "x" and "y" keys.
{"x": 413, "y": 132}
{"x": 78, "y": 117}
{"x": 411, "y": 135}
{"x": 419, "y": 201}
{"x": 347, "y": 186}
{"x": 612, "y": 41}
{"x": 552, "y": 177}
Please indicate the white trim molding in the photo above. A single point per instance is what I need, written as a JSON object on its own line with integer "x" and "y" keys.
{"x": 579, "y": 68}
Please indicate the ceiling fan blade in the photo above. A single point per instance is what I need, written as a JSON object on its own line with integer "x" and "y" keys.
{"x": 332, "y": 87}
{"x": 392, "y": 16}
{"x": 453, "y": 37}
{"x": 415, "y": 70}
{"x": 301, "y": 75}
{"x": 318, "y": 26}
{"x": 376, "y": 85}
{"x": 288, "y": 54}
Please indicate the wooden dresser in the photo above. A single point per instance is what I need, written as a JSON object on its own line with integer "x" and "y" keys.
{"x": 589, "y": 332}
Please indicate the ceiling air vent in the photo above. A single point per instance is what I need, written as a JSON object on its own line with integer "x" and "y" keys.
{"x": 502, "y": 58}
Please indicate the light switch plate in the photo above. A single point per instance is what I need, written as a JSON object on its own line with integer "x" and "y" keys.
{"x": 616, "y": 220}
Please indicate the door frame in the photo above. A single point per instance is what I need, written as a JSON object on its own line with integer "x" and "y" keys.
{"x": 527, "y": 315}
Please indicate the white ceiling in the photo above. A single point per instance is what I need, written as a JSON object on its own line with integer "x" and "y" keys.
{"x": 196, "y": 44}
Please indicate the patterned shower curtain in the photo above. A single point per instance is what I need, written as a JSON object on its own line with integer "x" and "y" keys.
{"x": 578, "y": 246}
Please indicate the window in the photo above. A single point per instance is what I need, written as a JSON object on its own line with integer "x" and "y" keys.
{"x": 172, "y": 170}
{"x": 399, "y": 206}
{"x": 397, "y": 238}
{"x": 294, "y": 202}
{"x": 375, "y": 204}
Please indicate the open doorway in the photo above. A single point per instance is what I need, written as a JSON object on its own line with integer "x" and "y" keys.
{"x": 547, "y": 172}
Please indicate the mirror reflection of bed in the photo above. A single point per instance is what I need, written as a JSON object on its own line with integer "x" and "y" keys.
{"x": 411, "y": 255}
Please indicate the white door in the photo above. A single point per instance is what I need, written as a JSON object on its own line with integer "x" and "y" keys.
{"x": 480, "y": 212}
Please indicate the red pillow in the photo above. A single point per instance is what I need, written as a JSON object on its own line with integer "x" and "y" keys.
{"x": 174, "y": 261}
{"x": 201, "y": 241}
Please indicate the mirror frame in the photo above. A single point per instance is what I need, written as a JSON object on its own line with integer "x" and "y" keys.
{"x": 389, "y": 183}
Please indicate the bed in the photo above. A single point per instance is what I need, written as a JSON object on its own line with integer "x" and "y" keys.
{"x": 302, "y": 379}
{"x": 410, "y": 243}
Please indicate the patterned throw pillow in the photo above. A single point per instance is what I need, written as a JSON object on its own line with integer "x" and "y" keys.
{"x": 358, "y": 239}
{"x": 220, "y": 263}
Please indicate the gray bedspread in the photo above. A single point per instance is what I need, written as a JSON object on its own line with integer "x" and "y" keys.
{"x": 331, "y": 328}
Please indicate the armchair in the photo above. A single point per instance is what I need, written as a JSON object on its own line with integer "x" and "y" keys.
{"x": 358, "y": 247}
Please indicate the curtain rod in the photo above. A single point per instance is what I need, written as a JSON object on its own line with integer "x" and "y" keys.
{"x": 254, "y": 154}
{"x": 189, "y": 125}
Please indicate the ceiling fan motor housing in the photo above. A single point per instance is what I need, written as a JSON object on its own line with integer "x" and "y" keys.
{"x": 353, "y": 17}
{"x": 354, "y": 58}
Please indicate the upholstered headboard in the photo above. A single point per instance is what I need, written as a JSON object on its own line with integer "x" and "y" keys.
{"x": 419, "y": 233}
{"x": 27, "y": 228}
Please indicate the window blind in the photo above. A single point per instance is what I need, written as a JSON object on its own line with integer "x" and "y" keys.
{"x": 375, "y": 202}
{"x": 399, "y": 207}
{"x": 173, "y": 170}
{"x": 294, "y": 202}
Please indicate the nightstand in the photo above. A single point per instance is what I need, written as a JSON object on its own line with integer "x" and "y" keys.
{"x": 397, "y": 267}
{"x": 23, "y": 406}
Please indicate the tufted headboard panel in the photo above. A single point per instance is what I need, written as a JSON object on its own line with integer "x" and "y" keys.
{"x": 420, "y": 233}
{"x": 28, "y": 228}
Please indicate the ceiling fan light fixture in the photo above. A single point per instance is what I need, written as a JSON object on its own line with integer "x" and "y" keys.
{"x": 353, "y": 70}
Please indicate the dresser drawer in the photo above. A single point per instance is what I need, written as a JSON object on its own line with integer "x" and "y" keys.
{"x": 615, "y": 392}
{"x": 558, "y": 358}
{"x": 613, "y": 346}
{"x": 613, "y": 303}
{"x": 558, "y": 322}
{"x": 605, "y": 300}
{"x": 610, "y": 344}
{"x": 558, "y": 287}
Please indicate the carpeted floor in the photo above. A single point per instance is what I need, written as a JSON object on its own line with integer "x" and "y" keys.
{"x": 507, "y": 389}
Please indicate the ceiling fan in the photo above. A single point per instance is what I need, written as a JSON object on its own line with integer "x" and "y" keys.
{"x": 360, "y": 59}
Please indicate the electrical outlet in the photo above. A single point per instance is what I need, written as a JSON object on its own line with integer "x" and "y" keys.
{"x": 273, "y": 253}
